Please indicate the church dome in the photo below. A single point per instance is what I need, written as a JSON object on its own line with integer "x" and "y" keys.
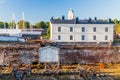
{"x": 71, "y": 10}
{"x": 70, "y": 14}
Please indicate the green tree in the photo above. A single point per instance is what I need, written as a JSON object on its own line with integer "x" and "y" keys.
{"x": 48, "y": 29}
{"x": 12, "y": 25}
{"x": 117, "y": 29}
{"x": 23, "y": 24}
{"x": 115, "y": 21}
{"x": 1, "y": 25}
{"x": 6, "y": 25}
{"x": 27, "y": 25}
{"x": 47, "y": 24}
{"x": 48, "y": 32}
{"x": 40, "y": 25}
{"x": 37, "y": 25}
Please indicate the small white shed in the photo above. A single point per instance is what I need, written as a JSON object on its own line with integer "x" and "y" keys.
{"x": 48, "y": 54}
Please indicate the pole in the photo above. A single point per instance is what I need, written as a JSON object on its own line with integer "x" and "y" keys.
{"x": 13, "y": 21}
{"x": 23, "y": 20}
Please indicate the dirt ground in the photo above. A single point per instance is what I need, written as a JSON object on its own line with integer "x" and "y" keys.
{"x": 111, "y": 72}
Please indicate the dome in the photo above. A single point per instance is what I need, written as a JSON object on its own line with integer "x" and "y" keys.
{"x": 71, "y": 10}
{"x": 71, "y": 14}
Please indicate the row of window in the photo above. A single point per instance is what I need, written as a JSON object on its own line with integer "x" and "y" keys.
{"x": 82, "y": 37}
{"x": 83, "y": 29}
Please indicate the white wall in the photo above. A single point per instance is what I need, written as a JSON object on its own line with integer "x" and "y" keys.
{"x": 11, "y": 32}
{"x": 65, "y": 32}
{"x": 19, "y": 32}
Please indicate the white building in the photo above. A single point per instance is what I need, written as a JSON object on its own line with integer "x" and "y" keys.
{"x": 75, "y": 30}
{"x": 19, "y": 34}
{"x": 10, "y": 32}
{"x": 48, "y": 54}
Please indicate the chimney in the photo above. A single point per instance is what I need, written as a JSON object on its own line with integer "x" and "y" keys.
{"x": 77, "y": 20}
{"x": 109, "y": 20}
{"x": 95, "y": 18}
{"x": 51, "y": 18}
{"x": 89, "y": 19}
{"x": 63, "y": 17}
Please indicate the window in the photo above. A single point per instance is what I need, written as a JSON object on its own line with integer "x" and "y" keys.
{"x": 94, "y": 37}
{"x": 106, "y": 29}
{"x": 94, "y": 29}
{"x": 71, "y": 29}
{"x": 106, "y": 37}
{"x": 59, "y": 29}
{"x": 83, "y": 37}
{"x": 83, "y": 29}
{"x": 71, "y": 37}
{"x": 59, "y": 37}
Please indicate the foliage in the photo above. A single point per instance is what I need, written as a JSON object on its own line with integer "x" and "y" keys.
{"x": 116, "y": 40}
{"x": 23, "y": 24}
{"x": 6, "y": 25}
{"x": 45, "y": 26}
{"x": 12, "y": 25}
{"x": 40, "y": 24}
{"x": 1, "y": 25}
{"x": 115, "y": 21}
{"x": 48, "y": 30}
{"x": 27, "y": 25}
{"x": 117, "y": 29}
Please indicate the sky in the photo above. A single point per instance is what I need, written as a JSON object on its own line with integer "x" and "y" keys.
{"x": 43, "y": 10}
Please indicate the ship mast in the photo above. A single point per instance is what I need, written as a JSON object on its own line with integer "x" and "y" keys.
{"x": 23, "y": 18}
{"x": 13, "y": 21}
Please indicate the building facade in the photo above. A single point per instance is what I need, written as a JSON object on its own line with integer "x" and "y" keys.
{"x": 75, "y": 30}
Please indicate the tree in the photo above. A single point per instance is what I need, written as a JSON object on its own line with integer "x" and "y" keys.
{"x": 12, "y": 25}
{"x": 27, "y": 25}
{"x": 6, "y": 25}
{"x": 117, "y": 29}
{"x": 115, "y": 21}
{"x": 40, "y": 25}
{"x": 37, "y": 25}
{"x": 23, "y": 24}
{"x": 48, "y": 29}
{"x": 48, "y": 32}
{"x": 1, "y": 25}
{"x": 47, "y": 24}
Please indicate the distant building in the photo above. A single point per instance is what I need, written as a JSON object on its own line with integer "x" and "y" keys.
{"x": 10, "y": 32}
{"x": 20, "y": 34}
{"x": 31, "y": 33}
{"x": 75, "y": 30}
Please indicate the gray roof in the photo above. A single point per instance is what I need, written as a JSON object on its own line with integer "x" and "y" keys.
{"x": 61, "y": 21}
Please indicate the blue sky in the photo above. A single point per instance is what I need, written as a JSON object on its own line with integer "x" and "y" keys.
{"x": 43, "y": 10}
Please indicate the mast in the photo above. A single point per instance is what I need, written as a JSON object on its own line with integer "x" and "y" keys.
{"x": 13, "y": 20}
{"x": 23, "y": 18}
